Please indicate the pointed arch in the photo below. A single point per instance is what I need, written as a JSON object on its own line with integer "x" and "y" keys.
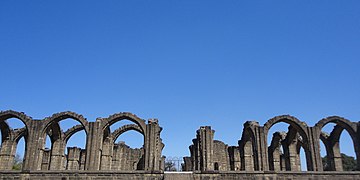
{"x": 125, "y": 128}
{"x": 107, "y": 122}
{"x": 295, "y": 126}
{"x": 66, "y": 115}
{"x": 4, "y": 115}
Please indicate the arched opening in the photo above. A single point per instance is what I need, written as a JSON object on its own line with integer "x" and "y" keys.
{"x": 13, "y": 144}
{"x": 216, "y": 166}
{"x": 20, "y": 154}
{"x": 275, "y": 140}
{"x": 248, "y": 151}
{"x": 123, "y": 146}
{"x": 294, "y": 140}
{"x": 64, "y": 145}
{"x": 334, "y": 148}
{"x": 303, "y": 166}
{"x": 75, "y": 151}
{"x": 131, "y": 138}
{"x": 45, "y": 153}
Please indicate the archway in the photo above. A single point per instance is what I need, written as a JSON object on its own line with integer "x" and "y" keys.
{"x": 118, "y": 155}
{"x": 296, "y": 134}
{"x": 13, "y": 143}
{"x": 60, "y": 127}
{"x": 334, "y": 151}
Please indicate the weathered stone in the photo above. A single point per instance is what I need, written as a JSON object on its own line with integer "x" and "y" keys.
{"x": 209, "y": 159}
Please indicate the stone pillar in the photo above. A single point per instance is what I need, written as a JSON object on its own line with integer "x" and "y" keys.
{"x": 94, "y": 146}
{"x": 73, "y": 158}
{"x": 153, "y": 146}
{"x": 262, "y": 148}
{"x": 205, "y": 138}
{"x": 7, "y": 154}
{"x": 234, "y": 156}
{"x": 57, "y": 155}
{"x": 82, "y": 159}
{"x": 187, "y": 166}
{"x": 107, "y": 153}
{"x": 282, "y": 162}
{"x": 310, "y": 150}
{"x": 33, "y": 156}
{"x": 247, "y": 156}
{"x": 336, "y": 156}
{"x": 45, "y": 159}
{"x": 314, "y": 135}
{"x": 291, "y": 158}
{"x": 276, "y": 159}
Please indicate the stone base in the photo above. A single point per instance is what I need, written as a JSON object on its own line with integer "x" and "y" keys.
{"x": 144, "y": 175}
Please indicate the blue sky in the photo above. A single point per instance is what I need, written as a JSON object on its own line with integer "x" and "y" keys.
{"x": 187, "y": 63}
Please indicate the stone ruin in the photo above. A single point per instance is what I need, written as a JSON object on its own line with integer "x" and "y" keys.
{"x": 103, "y": 158}
{"x": 254, "y": 154}
{"x": 101, "y": 152}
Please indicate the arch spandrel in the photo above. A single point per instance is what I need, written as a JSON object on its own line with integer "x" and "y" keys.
{"x": 65, "y": 115}
{"x": 107, "y": 122}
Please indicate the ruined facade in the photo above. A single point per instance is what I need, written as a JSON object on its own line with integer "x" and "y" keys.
{"x": 283, "y": 154}
{"x": 103, "y": 158}
{"x": 101, "y": 152}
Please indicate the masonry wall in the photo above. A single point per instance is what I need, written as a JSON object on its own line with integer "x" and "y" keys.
{"x": 143, "y": 175}
{"x": 252, "y": 158}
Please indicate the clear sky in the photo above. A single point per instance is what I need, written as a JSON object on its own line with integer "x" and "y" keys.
{"x": 187, "y": 63}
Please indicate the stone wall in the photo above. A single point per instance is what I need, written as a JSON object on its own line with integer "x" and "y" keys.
{"x": 101, "y": 152}
{"x": 252, "y": 158}
{"x": 143, "y": 175}
{"x": 283, "y": 152}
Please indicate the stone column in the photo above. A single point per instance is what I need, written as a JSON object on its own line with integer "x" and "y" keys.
{"x": 7, "y": 153}
{"x": 45, "y": 163}
{"x": 235, "y": 160}
{"x": 153, "y": 146}
{"x": 73, "y": 159}
{"x": 205, "y": 136}
{"x": 34, "y": 145}
{"x": 291, "y": 159}
{"x": 82, "y": 159}
{"x": 57, "y": 155}
{"x": 337, "y": 156}
{"x": 107, "y": 153}
{"x": 94, "y": 146}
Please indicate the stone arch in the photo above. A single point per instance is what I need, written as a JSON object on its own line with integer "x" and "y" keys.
{"x": 291, "y": 120}
{"x": 111, "y": 155}
{"x": 107, "y": 122}
{"x": 349, "y": 126}
{"x": 276, "y": 162}
{"x": 124, "y": 129}
{"x": 19, "y": 133}
{"x": 57, "y": 117}
{"x": 72, "y": 131}
{"x": 51, "y": 126}
{"x": 9, "y": 148}
{"x": 331, "y": 141}
{"x": 297, "y": 125}
{"x": 4, "y": 115}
